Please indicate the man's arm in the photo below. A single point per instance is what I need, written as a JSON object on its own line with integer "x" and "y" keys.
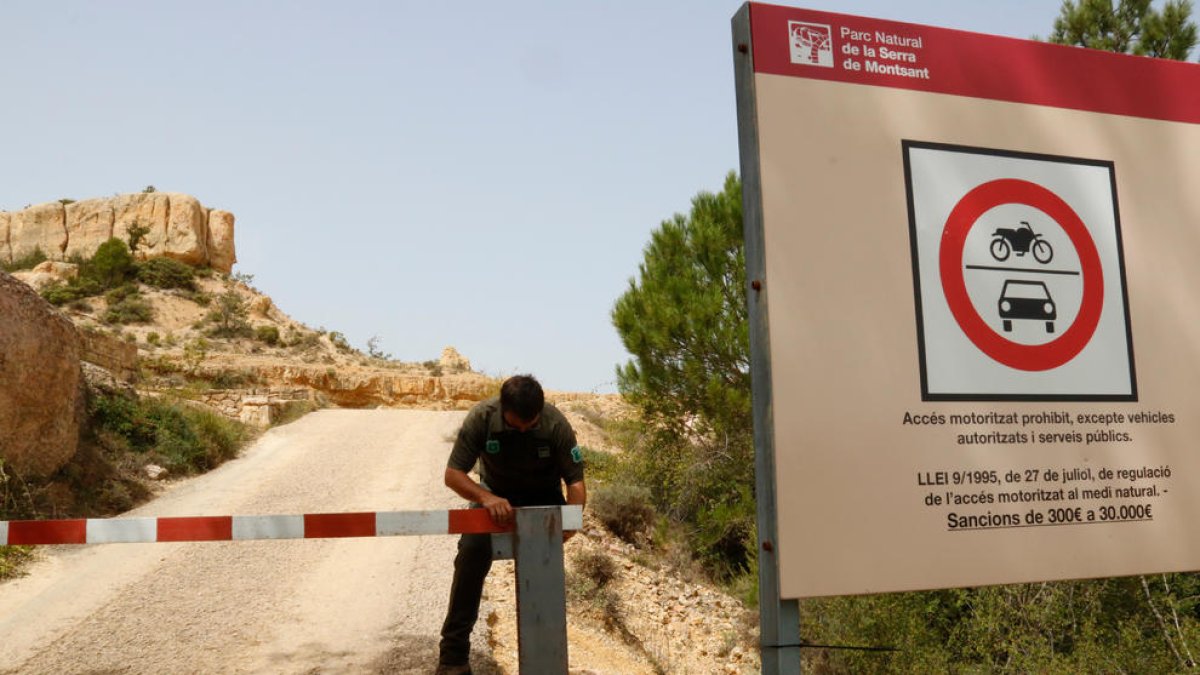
{"x": 577, "y": 493}
{"x": 498, "y": 507}
{"x": 577, "y": 496}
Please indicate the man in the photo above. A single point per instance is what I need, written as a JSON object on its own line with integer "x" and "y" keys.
{"x": 526, "y": 451}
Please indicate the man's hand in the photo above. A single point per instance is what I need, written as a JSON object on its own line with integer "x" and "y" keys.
{"x": 498, "y": 507}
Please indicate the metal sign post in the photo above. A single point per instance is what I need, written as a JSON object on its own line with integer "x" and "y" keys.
{"x": 541, "y": 591}
{"x": 779, "y": 620}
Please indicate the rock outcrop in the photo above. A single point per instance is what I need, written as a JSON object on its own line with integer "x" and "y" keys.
{"x": 5, "y": 250}
{"x": 48, "y": 273}
{"x": 41, "y": 394}
{"x": 178, "y": 227}
{"x": 452, "y": 360}
{"x": 353, "y": 387}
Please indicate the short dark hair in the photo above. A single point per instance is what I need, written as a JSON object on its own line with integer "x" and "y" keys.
{"x": 522, "y": 395}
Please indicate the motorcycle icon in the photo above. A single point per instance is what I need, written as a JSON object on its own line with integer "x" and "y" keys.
{"x": 1020, "y": 240}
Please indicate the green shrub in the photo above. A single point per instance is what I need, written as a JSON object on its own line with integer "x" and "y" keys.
{"x": 339, "y": 341}
{"x": 112, "y": 265}
{"x": 304, "y": 342}
{"x": 597, "y": 566}
{"x": 199, "y": 297}
{"x": 267, "y": 334}
{"x": 152, "y": 338}
{"x": 228, "y": 318}
{"x": 1089, "y": 626}
{"x": 625, "y": 510}
{"x": 136, "y": 232}
{"x": 182, "y": 438}
{"x": 166, "y": 273}
{"x": 130, "y": 308}
{"x": 26, "y": 262}
{"x": 600, "y": 465}
{"x": 231, "y": 379}
{"x": 194, "y": 353}
{"x": 61, "y": 294}
{"x": 124, "y": 417}
{"x": 13, "y": 559}
{"x": 120, "y": 293}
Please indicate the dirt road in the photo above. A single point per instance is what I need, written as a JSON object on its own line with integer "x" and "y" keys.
{"x": 315, "y": 606}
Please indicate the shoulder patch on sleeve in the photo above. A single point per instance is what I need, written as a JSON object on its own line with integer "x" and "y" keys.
{"x": 577, "y": 454}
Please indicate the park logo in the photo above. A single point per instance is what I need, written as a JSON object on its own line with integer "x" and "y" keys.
{"x": 1019, "y": 276}
{"x": 811, "y": 43}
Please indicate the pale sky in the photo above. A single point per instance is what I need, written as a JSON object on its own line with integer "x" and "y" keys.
{"x": 476, "y": 174}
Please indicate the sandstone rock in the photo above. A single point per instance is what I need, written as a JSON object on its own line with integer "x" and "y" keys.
{"x": 148, "y": 210}
{"x": 186, "y": 235}
{"x": 47, "y": 273}
{"x": 38, "y": 227}
{"x": 154, "y": 471}
{"x": 41, "y": 401}
{"x": 5, "y": 251}
{"x": 102, "y": 381}
{"x": 35, "y": 280}
{"x": 261, "y": 306}
{"x": 89, "y": 223}
{"x": 221, "y": 252}
{"x": 452, "y": 360}
{"x": 256, "y": 410}
{"x": 63, "y": 271}
{"x": 178, "y": 226}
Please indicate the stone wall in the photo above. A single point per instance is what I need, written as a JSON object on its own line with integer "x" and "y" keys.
{"x": 112, "y": 354}
{"x": 258, "y": 407}
{"x": 179, "y": 227}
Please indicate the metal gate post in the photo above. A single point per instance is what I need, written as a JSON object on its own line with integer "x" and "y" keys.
{"x": 541, "y": 591}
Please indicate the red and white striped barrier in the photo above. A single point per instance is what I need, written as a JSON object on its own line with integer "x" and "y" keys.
{"x": 247, "y": 528}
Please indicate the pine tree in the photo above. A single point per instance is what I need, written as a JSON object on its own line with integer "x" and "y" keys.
{"x": 684, "y": 320}
{"x": 1131, "y": 27}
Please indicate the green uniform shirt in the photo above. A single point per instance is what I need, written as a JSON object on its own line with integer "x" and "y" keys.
{"x": 513, "y": 463}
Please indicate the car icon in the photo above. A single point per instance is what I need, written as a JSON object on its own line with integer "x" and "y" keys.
{"x": 1026, "y": 300}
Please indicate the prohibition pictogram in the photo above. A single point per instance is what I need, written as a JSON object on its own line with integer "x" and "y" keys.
{"x": 1009, "y": 352}
{"x": 1018, "y": 274}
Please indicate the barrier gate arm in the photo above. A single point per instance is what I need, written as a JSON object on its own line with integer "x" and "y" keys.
{"x": 534, "y": 540}
{"x": 248, "y": 528}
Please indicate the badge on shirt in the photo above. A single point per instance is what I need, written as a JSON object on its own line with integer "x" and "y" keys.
{"x": 493, "y": 446}
{"x": 543, "y": 452}
{"x": 577, "y": 454}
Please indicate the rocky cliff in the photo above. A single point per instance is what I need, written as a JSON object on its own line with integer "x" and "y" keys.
{"x": 179, "y": 227}
{"x": 41, "y": 394}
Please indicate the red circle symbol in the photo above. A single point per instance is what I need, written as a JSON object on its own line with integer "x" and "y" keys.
{"x": 954, "y": 238}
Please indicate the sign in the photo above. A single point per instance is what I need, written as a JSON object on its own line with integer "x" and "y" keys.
{"x": 1020, "y": 295}
{"x": 974, "y": 335}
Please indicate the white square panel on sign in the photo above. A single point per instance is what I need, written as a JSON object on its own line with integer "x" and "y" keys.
{"x": 1019, "y": 276}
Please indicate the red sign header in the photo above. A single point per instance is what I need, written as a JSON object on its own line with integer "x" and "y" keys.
{"x": 825, "y": 46}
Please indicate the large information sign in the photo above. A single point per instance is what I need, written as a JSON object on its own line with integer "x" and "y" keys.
{"x": 977, "y": 263}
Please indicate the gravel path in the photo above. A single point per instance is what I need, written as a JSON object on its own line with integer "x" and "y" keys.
{"x": 317, "y": 606}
